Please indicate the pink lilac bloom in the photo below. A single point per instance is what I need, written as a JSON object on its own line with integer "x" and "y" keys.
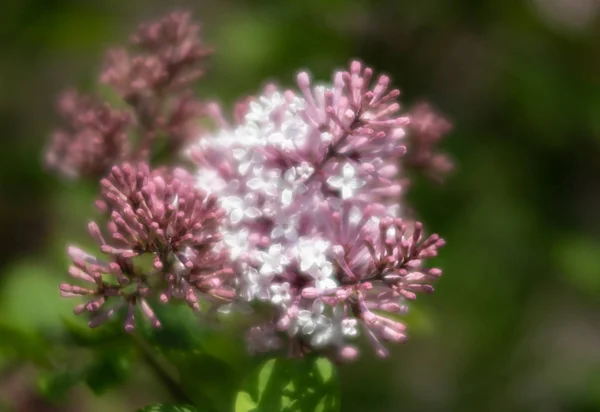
{"x": 311, "y": 184}
{"x": 93, "y": 138}
{"x": 154, "y": 78}
{"x": 427, "y": 128}
{"x": 160, "y": 214}
{"x": 168, "y": 58}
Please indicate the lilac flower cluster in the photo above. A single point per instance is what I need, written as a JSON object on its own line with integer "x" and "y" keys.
{"x": 311, "y": 184}
{"x": 426, "y": 129}
{"x": 93, "y": 137}
{"x": 154, "y": 79}
{"x": 161, "y": 215}
{"x": 299, "y": 205}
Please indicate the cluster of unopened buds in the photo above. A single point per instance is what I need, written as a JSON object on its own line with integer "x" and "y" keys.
{"x": 297, "y": 205}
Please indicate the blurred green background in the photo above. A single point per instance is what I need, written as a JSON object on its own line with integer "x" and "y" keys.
{"x": 515, "y": 322}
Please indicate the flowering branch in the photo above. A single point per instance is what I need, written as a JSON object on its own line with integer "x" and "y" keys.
{"x": 298, "y": 204}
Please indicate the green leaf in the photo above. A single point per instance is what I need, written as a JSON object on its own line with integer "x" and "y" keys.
{"x": 210, "y": 363}
{"x": 80, "y": 334}
{"x": 182, "y": 330}
{"x": 22, "y": 344}
{"x": 206, "y": 379}
{"x": 163, "y": 407}
{"x": 179, "y": 330}
{"x": 110, "y": 369}
{"x": 307, "y": 385}
{"x": 54, "y": 386}
{"x": 101, "y": 369}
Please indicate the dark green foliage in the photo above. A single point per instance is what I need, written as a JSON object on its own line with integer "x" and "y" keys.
{"x": 206, "y": 379}
{"x": 109, "y": 370}
{"x": 55, "y": 386}
{"x": 78, "y": 333}
{"x": 21, "y": 344}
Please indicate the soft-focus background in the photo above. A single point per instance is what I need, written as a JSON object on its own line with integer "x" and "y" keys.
{"x": 515, "y": 322}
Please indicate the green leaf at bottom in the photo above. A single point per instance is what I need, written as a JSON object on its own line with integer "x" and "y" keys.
{"x": 283, "y": 385}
